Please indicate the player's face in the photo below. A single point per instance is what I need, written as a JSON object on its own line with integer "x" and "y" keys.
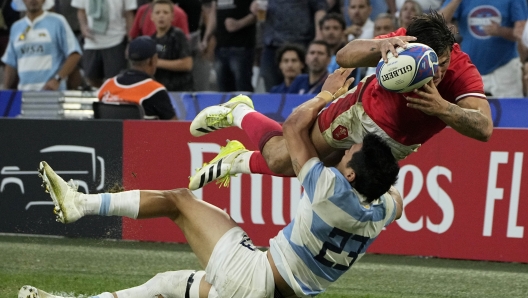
{"x": 317, "y": 58}
{"x": 290, "y": 64}
{"x": 342, "y": 166}
{"x": 359, "y": 11}
{"x": 162, "y": 15}
{"x": 443, "y": 64}
{"x": 383, "y": 26}
{"x": 332, "y": 32}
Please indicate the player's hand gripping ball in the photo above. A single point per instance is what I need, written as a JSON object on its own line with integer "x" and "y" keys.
{"x": 414, "y": 67}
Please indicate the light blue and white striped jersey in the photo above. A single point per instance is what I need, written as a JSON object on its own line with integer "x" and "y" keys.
{"x": 332, "y": 229}
{"x": 38, "y": 49}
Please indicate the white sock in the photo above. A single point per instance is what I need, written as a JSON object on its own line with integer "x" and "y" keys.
{"x": 194, "y": 291}
{"x": 43, "y": 294}
{"x": 90, "y": 204}
{"x": 171, "y": 284}
{"x": 241, "y": 163}
{"x": 239, "y": 112}
{"x": 107, "y": 204}
{"x": 104, "y": 295}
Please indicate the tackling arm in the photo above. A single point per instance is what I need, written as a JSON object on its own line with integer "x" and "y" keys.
{"x": 399, "y": 201}
{"x": 295, "y": 130}
{"x": 297, "y": 127}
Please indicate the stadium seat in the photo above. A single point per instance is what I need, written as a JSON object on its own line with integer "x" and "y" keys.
{"x": 117, "y": 111}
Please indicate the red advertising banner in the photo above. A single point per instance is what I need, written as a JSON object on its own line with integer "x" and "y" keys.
{"x": 463, "y": 198}
{"x": 162, "y": 155}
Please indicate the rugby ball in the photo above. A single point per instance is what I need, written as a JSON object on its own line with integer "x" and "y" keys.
{"x": 414, "y": 67}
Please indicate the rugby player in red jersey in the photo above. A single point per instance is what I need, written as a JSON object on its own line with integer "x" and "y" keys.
{"x": 455, "y": 97}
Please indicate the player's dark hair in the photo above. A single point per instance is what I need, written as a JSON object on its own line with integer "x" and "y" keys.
{"x": 432, "y": 29}
{"x": 322, "y": 43}
{"x": 333, "y": 16}
{"x": 375, "y": 167}
{"x": 298, "y": 49}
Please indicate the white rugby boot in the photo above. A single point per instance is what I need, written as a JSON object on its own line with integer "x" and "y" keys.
{"x": 219, "y": 168}
{"x": 64, "y": 195}
{"x": 32, "y": 292}
{"x": 217, "y": 117}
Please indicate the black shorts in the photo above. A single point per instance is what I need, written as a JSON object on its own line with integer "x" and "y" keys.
{"x": 104, "y": 63}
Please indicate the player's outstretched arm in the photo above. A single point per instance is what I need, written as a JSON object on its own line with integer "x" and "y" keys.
{"x": 296, "y": 128}
{"x": 471, "y": 116}
{"x": 368, "y": 52}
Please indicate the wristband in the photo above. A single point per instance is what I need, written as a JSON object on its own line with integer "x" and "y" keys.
{"x": 58, "y": 78}
{"x": 326, "y": 95}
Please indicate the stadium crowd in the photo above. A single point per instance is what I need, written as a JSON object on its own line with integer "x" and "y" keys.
{"x": 240, "y": 45}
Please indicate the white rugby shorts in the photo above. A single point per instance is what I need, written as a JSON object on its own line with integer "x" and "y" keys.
{"x": 238, "y": 269}
{"x": 358, "y": 124}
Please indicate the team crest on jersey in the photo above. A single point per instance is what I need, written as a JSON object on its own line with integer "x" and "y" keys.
{"x": 339, "y": 133}
{"x": 480, "y": 17}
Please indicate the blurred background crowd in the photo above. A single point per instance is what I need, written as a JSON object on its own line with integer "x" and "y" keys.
{"x": 278, "y": 46}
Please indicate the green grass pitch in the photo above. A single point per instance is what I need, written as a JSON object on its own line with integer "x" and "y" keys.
{"x": 84, "y": 267}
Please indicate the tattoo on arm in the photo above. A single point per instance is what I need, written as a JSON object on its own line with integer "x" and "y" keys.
{"x": 467, "y": 121}
{"x": 373, "y": 49}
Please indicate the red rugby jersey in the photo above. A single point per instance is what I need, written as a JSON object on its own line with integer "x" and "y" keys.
{"x": 410, "y": 126}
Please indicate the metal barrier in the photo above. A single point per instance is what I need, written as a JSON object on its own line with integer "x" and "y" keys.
{"x": 57, "y": 105}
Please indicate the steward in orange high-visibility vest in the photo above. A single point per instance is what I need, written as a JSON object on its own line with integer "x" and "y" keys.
{"x": 136, "y": 84}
